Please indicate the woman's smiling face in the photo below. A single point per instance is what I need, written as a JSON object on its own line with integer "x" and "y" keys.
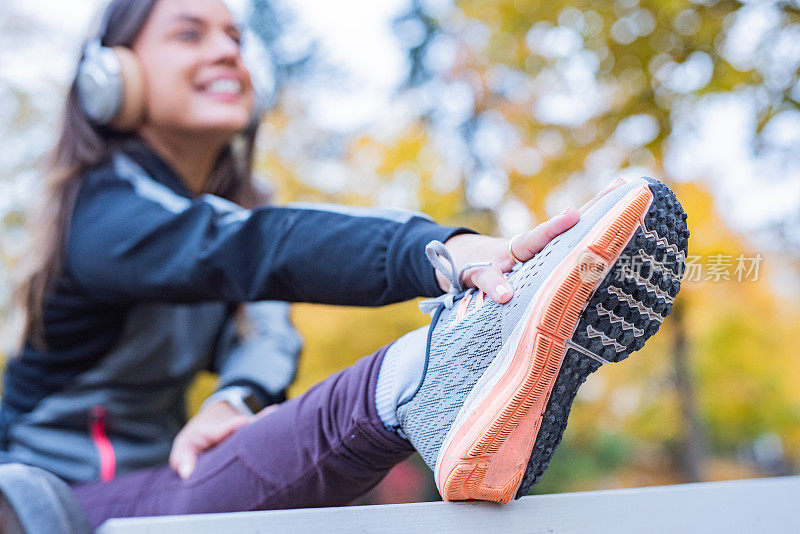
{"x": 196, "y": 80}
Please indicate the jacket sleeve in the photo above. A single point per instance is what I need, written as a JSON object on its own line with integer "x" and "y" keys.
{"x": 135, "y": 239}
{"x": 259, "y": 348}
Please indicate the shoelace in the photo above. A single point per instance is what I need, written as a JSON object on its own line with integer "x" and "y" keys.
{"x": 443, "y": 262}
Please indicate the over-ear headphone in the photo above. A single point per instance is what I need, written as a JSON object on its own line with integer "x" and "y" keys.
{"x": 112, "y": 89}
{"x": 110, "y": 83}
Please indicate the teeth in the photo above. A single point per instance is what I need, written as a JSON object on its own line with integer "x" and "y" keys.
{"x": 225, "y": 86}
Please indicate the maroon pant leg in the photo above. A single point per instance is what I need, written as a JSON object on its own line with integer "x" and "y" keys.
{"x": 323, "y": 448}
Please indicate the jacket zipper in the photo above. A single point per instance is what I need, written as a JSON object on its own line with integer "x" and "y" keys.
{"x": 108, "y": 461}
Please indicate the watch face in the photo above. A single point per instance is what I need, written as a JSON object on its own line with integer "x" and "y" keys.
{"x": 253, "y": 403}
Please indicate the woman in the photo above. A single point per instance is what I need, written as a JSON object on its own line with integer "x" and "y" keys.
{"x": 149, "y": 252}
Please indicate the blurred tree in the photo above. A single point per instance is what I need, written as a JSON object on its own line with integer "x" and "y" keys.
{"x": 25, "y": 134}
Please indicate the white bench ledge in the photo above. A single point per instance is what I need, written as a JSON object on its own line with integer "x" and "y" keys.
{"x": 759, "y": 505}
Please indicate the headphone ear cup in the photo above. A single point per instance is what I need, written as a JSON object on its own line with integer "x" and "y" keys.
{"x": 134, "y": 90}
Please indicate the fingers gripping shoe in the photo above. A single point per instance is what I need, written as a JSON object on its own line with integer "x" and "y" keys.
{"x": 499, "y": 380}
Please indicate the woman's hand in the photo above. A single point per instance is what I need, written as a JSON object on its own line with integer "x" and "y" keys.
{"x": 469, "y": 248}
{"x": 203, "y": 431}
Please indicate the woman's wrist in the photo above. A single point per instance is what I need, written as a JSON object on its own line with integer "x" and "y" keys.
{"x": 242, "y": 399}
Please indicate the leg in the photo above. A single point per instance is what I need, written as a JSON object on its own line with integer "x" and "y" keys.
{"x": 483, "y": 392}
{"x": 323, "y": 448}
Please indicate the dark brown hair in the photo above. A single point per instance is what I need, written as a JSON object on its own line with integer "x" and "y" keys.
{"x": 82, "y": 145}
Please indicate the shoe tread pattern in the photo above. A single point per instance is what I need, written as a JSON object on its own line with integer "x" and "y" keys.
{"x": 625, "y": 310}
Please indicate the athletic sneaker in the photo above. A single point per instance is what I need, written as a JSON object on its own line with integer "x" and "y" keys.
{"x": 499, "y": 380}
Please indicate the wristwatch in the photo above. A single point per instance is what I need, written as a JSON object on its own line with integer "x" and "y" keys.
{"x": 242, "y": 398}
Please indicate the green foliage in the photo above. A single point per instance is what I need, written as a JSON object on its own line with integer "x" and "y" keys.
{"x": 581, "y": 461}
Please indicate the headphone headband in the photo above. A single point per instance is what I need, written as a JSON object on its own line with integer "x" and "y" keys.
{"x": 100, "y": 24}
